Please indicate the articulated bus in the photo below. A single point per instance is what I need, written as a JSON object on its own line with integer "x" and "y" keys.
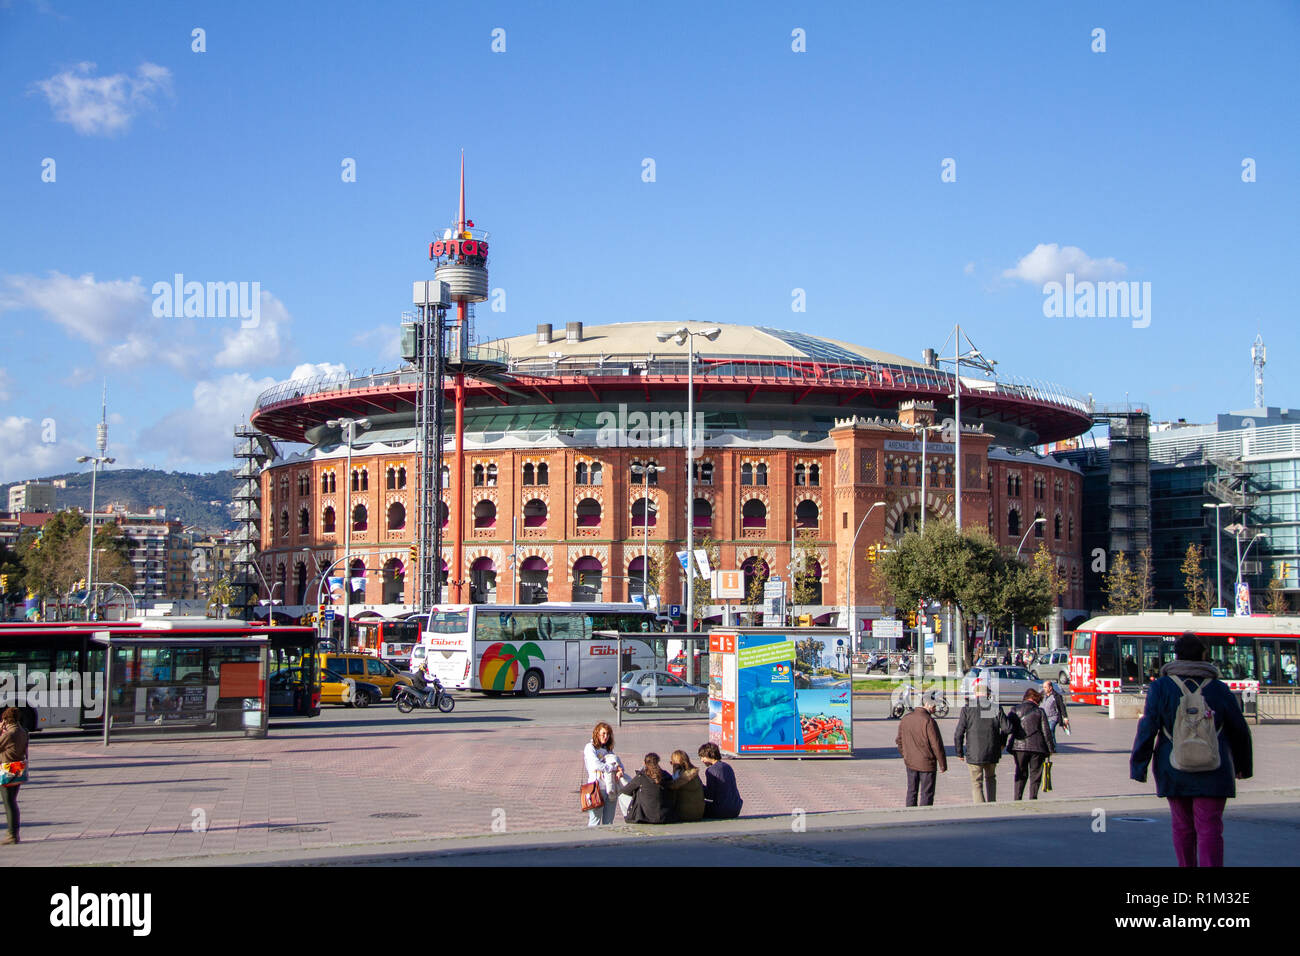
{"x": 529, "y": 647}
{"x": 1125, "y": 653}
{"x": 65, "y": 661}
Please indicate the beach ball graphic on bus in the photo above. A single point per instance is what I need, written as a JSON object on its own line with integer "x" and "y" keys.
{"x": 500, "y": 665}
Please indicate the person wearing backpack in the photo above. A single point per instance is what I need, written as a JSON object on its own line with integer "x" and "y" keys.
{"x": 1194, "y": 730}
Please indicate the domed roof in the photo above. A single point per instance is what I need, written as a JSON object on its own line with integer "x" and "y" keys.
{"x": 734, "y": 341}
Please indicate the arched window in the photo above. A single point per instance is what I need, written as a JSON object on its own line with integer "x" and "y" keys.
{"x": 703, "y": 513}
{"x": 1038, "y": 525}
{"x": 814, "y": 475}
{"x": 483, "y": 581}
{"x": 327, "y": 521}
{"x": 754, "y": 567}
{"x": 492, "y": 476}
{"x": 947, "y": 476}
{"x": 444, "y": 480}
{"x": 746, "y": 474}
{"x": 1013, "y": 522}
{"x": 535, "y": 514}
{"x": 588, "y": 513}
{"x": 800, "y": 474}
{"x": 396, "y": 516}
{"x": 485, "y": 515}
{"x": 357, "y": 581}
{"x": 304, "y": 521}
{"x": 478, "y": 476}
{"x": 889, "y": 472}
{"x": 543, "y": 474}
{"x": 401, "y": 478}
{"x": 760, "y": 474}
{"x": 360, "y": 520}
{"x": 704, "y": 472}
{"x": 904, "y": 470}
{"x": 643, "y": 513}
{"x": 325, "y": 481}
{"x": 284, "y": 524}
{"x": 528, "y": 473}
{"x": 390, "y": 477}
{"x": 1056, "y": 490}
{"x": 394, "y": 578}
{"x": 300, "y": 583}
{"x": 586, "y": 579}
{"x": 807, "y": 515}
{"x": 580, "y": 473}
{"x": 597, "y": 474}
{"x": 1071, "y": 528}
{"x": 1057, "y": 527}
{"x": 933, "y": 476}
{"x": 753, "y": 514}
{"x": 532, "y": 580}
{"x": 1011, "y": 485}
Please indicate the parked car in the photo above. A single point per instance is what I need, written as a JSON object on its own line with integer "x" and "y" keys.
{"x": 1008, "y": 681}
{"x": 337, "y": 689}
{"x": 1052, "y": 665}
{"x": 659, "y": 689}
{"x": 367, "y": 668}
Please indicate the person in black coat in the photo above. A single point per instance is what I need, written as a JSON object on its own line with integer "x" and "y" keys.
{"x": 649, "y": 797}
{"x": 981, "y": 734}
{"x": 1031, "y": 743}
{"x": 1196, "y": 800}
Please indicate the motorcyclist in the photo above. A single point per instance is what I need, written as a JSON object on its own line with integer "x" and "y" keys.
{"x": 421, "y": 685}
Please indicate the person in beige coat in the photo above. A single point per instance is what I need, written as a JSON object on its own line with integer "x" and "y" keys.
{"x": 921, "y": 747}
{"x": 13, "y": 746}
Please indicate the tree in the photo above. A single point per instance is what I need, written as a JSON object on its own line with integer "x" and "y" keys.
{"x": 52, "y": 562}
{"x": 1276, "y": 598}
{"x": 221, "y": 597}
{"x": 1146, "y": 594}
{"x": 1122, "y": 587}
{"x": 754, "y": 593}
{"x": 804, "y": 587}
{"x": 808, "y": 655}
{"x": 703, "y": 587}
{"x": 1022, "y": 594}
{"x": 1195, "y": 585}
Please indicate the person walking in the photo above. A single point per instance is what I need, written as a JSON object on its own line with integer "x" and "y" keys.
{"x": 1031, "y": 743}
{"x": 687, "y": 788}
{"x": 982, "y": 731}
{"x": 722, "y": 800}
{"x": 1054, "y": 709}
{"x": 13, "y": 748}
{"x": 1169, "y": 735}
{"x": 921, "y": 747}
{"x": 603, "y": 769}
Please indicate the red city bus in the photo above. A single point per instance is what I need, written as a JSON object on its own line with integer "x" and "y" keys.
{"x": 1125, "y": 652}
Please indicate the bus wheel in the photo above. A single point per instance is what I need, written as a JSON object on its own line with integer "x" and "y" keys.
{"x": 532, "y": 683}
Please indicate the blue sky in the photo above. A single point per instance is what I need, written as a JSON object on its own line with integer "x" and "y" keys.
{"x": 775, "y": 170}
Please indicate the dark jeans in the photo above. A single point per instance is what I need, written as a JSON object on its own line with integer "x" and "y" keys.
{"x": 1198, "y": 830}
{"x": 920, "y": 787}
{"x": 1029, "y": 766}
{"x": 11, "y": 808}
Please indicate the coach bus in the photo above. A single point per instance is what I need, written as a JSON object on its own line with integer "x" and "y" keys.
{"x": 526, "y": 648}
{"x": 54, "y": 673}
{"x": 1125, "y": 653}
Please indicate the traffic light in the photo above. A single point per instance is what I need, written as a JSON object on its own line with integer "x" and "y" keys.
{"x": 938, "y": 625}
{"x": 805, "y": 620}
{"x": 415, "y": 553}
{"x": 4, "y": 584}
{"x": 911, "y": 619}
{"x": 871, "y": 554}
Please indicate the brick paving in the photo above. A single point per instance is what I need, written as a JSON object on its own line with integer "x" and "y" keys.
{"x": 317, "y": 786}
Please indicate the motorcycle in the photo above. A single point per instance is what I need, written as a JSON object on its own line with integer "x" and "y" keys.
{"x": 408, "y": 698}
{"x": 878, "y": 662}
{"x": 907, "y": 698}
{"x": 905, "y": 665}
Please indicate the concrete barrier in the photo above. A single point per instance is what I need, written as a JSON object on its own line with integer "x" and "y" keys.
{"x": 1127, "y": 706}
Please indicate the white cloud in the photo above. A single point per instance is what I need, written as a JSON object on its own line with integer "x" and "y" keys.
{"x": 103, "y": 105}
{"x": 203, "y": 434}
{"x": 385, "y": 341}
{"x": 95, "y": 311}
{"x": 24, "y": 455}
{"x": 259, "y": 345}
{"x": 1050, "y": 263}
{"x": 969, "y": 269}
{"x": 310, "y": 370}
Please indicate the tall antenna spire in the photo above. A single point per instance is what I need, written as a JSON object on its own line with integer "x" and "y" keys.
{"x": 101, "y": 430}
{"x": 460, "y": 219}
{"x": 1257, "y": 359}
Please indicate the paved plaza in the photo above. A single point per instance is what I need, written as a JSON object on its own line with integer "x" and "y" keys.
{"x": 503, "y": 771}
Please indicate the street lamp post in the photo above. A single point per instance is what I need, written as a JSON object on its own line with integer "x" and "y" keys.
{"x": 324, "y": 576}
{"x": 1037, "y": 521}
{"x": 98, "y": 460}
{"x": 349, "y": 428}
{"x": 645, "y": 471}
{"x": 1218, "y": 553}
{"x": 852, "y": 580}
{"x": 682, "y": 336}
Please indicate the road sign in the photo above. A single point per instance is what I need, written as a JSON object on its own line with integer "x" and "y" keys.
{"x": 1218, "y": 612}
{"x": 674, "y": 610}
{"x": 774, "y": 603}
{"x": 728, "y": 584}
{"x": 887, "y": 629}
{"x": 327, "y": 614}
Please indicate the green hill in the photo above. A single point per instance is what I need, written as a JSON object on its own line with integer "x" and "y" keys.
{"x": 199, "y": 500}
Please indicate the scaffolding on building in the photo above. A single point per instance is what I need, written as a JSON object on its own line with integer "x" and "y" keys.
{"x": 424, "y": 345}
{"x": 1129, "y": 477}
{"x": 254, "y": 451}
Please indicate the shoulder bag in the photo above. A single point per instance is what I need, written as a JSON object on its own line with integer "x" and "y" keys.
{"x": 13, "y": 773}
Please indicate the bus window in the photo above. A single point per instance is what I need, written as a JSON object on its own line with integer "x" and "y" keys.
{"x": 1107, "y": 665}
{"x": 452, "y": 622}
{"x": 1234, "y": 661}
{"x": 565, "y": 627}
{"x": 1287, "y": 662}
{"x": 1129, "y": 671}
{"x": 1153, "y": 657}
{"x": 1268, "y": 669}
{"x": 1082, "y": 642}
{"x": 528, "y": 627}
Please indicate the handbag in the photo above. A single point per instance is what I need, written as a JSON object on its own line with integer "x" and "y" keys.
{"x": 13, "y": 773}
{"x": 590, "y": 797}
{"x": 1047, "y": 775}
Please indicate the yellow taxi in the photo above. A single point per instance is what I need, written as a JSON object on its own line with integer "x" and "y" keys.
{"x": 362, "y": 668}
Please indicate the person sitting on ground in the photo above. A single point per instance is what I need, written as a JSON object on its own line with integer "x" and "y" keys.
{"x": 647, "y": 798}
{"x": 722, "y": 799}
{"x": 687, "y": 788}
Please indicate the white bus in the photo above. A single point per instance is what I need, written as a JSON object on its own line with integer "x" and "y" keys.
{"x": 527, "y": 648}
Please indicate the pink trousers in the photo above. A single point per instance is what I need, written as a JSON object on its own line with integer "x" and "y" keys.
{"x": 1198, "y": 830}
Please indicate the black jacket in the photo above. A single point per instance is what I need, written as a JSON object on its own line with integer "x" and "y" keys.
{"x": 1029, "y": 730}
{"x": 651, "y": 802}
{"x": 981, "y": 733}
